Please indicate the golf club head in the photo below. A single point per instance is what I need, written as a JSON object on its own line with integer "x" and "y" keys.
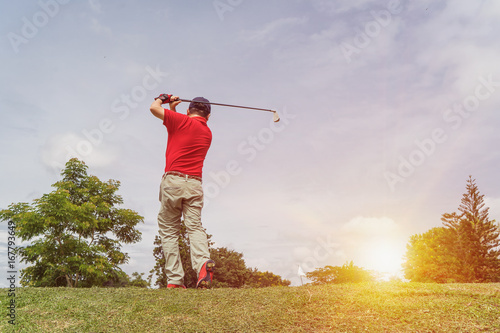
{"x": 276, "y": 118}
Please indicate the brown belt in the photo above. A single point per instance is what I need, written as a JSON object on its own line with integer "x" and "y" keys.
{"x": 180, "y": 174}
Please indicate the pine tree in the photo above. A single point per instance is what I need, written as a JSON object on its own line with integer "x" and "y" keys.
{"x": 477, "y": 238}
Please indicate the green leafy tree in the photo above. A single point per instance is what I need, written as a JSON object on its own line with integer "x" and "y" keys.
{"x": 323, "y": 275}
{"x": 477, "y": 238}
{"x": 230, "y": 269}
{"x": 75, "y": 232}
{"x": 347, "y": 273}
{"x": 138, "y": 281}
{"x": 429, "y": 257}
{"x": 258, "y": 279}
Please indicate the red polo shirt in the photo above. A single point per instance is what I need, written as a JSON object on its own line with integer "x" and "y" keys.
{"x": 188, "y": 141}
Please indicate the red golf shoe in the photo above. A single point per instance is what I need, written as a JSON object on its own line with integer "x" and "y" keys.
{"x": 206, "y": 274}
{"x": 174, "y": 286}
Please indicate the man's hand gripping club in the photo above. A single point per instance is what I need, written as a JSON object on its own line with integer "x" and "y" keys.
{"x": 157, "y": 108}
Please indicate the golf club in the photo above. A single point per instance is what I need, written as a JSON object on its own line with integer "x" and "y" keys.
{"x": 276, "y": 118}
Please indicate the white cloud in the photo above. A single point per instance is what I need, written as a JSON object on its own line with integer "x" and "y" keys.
{"x": 99, "y": 28}
{"x": 489, "y": 11}
{"x": 453, "y": 43}
{"x": 96, "y": 6}
{"x": 270, "y": 31}
{"x": 370, "y": 226}
{"x": 58, "y": 149}
{"x": 339, "y": 7}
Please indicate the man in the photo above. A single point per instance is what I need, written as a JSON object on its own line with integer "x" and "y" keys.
{"x": 181, "y": 194}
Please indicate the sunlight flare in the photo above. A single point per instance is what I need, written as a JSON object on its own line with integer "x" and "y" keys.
{"x": 384, "y": 256}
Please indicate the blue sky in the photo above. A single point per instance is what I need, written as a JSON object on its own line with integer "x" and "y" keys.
{"x": 387, "y": 107}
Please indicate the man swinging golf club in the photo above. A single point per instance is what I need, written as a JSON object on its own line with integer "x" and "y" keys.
{"x": 181, "y": 193}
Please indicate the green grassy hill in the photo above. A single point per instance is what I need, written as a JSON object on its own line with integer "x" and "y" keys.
{"x": 372, "y": 307}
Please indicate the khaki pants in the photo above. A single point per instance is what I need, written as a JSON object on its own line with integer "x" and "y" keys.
{"x": 181, "y": 196}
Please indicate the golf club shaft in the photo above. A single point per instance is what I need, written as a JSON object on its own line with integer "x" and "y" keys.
{"x": 233, "y": 106}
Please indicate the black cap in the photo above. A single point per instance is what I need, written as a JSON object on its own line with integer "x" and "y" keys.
{"x": 201, "y": 104}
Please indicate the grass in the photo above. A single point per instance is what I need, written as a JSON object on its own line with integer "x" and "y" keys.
{"x": 371, "y": 307}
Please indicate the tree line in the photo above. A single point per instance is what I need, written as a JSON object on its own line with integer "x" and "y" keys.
{"x": 465, "y": 249}
{"x": 76, "y": 233}
{"x": 231, "y": 270}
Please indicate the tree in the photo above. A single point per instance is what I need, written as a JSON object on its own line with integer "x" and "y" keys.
{"x": 76, "y": 232}
{"x": 230, "y": 269}
{"x": 348, "y": 273}
{"x": 323, "y": 275}
{"x": 477, "y": 245}
{"x": 465, "y": 249}
{"x": 138, "y": 281}
{"x": 429, "y": 257}
{"x": 258, "y": 279}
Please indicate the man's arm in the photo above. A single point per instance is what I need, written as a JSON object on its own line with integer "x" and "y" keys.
{"x": 157, "y": 110}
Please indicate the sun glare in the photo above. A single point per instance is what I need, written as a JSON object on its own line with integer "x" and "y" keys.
{"x": 385, "y": 258}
